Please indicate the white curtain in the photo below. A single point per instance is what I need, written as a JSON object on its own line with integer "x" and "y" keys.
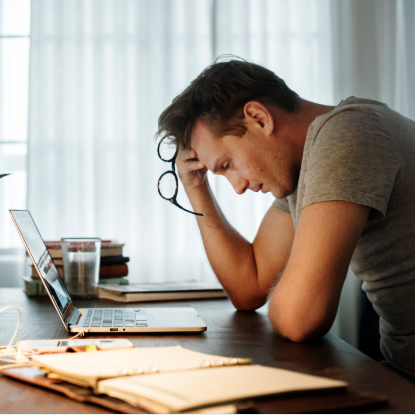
{"x": 374, "y": 51}
{"x": 101, "y": 72}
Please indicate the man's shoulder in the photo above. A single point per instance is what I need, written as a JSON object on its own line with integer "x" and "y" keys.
{"x": 351, "y": 115}
{"x": 360, "y": 107}
{"x": 352, "y": 156}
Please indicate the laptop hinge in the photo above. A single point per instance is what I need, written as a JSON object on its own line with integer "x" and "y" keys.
{"x": 73, "y": 319}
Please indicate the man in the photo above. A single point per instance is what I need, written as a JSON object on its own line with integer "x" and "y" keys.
{"x": 343, "y": 179}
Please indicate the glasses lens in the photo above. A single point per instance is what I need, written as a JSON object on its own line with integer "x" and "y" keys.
{"x": 167, "y": 150}
{"x": 167, "y": 185}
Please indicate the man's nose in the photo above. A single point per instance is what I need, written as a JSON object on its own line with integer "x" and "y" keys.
{"x": 239, "y": 184}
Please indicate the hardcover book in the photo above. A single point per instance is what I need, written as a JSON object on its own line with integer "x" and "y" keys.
{"x": 162, "y": 291}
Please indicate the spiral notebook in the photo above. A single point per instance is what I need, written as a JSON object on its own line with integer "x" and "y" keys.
{"x": 175, "y": 379}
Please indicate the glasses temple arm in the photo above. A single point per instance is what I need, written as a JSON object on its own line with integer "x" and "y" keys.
{"x": 182, "y": 208}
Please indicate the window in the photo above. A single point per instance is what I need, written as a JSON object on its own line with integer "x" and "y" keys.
{"x": 14, "y": 91}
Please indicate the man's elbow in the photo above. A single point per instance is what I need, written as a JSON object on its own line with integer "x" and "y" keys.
{"x": 301, "y": 335}
{"x": 298, "y": 329}
{"x": 247, "y": 302}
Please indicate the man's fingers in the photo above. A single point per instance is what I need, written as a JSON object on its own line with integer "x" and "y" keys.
{"x": 192, "y": 154}
{"x": 192, "y": 171}
{"x": 185, "y": 155}
{"x": 194, "y": 165}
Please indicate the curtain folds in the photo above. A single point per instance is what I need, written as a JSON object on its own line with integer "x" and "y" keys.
{"x": 100, "y": 74}
{"x": 374, "y": 51}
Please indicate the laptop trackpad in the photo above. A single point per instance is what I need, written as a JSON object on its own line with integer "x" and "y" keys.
{"x": 171, "y": 316}
{"x": 161, "y": 318}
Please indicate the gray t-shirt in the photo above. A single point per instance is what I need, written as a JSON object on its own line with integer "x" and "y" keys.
{"x": 364, "y": 152}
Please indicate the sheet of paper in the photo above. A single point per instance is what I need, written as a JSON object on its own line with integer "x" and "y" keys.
{"x": 91, "y": 367}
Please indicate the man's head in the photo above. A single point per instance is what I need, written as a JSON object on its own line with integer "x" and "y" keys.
{"x": 227, "y": 115}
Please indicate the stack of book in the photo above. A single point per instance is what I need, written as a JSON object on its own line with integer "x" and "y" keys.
{"x": 113, "y": 266}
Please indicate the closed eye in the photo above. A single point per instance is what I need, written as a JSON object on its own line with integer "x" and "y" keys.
{"x": 225, "y": 165}
{"x": 218, "y": 166}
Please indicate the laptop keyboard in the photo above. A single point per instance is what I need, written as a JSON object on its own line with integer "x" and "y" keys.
{"x": 116, "y": 318}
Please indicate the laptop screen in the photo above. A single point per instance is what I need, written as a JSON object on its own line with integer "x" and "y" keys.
{"x": 42, "y": 259}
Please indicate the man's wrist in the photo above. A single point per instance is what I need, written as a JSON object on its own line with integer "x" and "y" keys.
{"x": 201, "y": 198}
{"x": 196, "y": 191}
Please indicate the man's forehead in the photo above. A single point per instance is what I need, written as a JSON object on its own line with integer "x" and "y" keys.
{"x": 200, "y": 134}
{"x": 207, "y": 147}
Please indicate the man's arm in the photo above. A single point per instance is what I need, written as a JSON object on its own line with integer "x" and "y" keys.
{"x": 304, "y": 303}
{"x": 246, "y": 271}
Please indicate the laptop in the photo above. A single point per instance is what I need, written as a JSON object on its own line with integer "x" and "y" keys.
{"x": 98, "y": 320}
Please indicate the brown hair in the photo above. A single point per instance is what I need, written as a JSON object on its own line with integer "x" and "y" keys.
{"x": 218, "y": 96}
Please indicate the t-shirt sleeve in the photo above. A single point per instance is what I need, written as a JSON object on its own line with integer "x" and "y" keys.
{"x": 353, "y": 158}
{"x": 282, "y": 204}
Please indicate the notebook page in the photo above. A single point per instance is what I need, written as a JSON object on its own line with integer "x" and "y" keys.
{"x": 91, "y": 367}
{"x": 184, "y": 391}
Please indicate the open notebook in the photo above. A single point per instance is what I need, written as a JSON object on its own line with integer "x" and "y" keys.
{"x": 174, "y": 379}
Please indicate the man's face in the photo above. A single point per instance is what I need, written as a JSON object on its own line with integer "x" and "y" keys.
{"x": 253, "y": 162}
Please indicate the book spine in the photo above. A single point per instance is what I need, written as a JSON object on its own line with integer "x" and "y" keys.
{"x": 112, "y": 260}
{"x": 56, "y": 253}
{"x": 105, "y": 271}
{"x": 34, "y": 287}
{"x": 113, "y": 271}
{"x": 118, "y": 281}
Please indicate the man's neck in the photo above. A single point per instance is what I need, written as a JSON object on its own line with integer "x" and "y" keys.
{"x": 301, "y": 119}
{"x": 293, "y": 127}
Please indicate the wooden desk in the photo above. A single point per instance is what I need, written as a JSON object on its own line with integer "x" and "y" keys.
{"x": 230, "y": 333}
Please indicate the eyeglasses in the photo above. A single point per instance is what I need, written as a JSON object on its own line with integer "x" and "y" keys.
{"x": 166, "y": 184}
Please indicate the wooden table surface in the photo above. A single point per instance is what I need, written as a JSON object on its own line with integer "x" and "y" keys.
{"x": 230, "y": 333}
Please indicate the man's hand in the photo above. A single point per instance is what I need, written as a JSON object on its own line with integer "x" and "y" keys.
{"x": 192, "y": 171}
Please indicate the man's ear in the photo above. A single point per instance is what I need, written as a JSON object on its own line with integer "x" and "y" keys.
{"x": 258, "y": 116}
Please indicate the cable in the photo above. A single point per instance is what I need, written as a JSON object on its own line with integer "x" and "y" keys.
{"x": 10, "y": 351}
{"x": 81, "y": 334}
{"x": 15, "y": 356}
{"x": 18, "y": 323}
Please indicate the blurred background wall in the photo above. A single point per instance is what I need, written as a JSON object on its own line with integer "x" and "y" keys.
{"x": 82, "y": 83}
